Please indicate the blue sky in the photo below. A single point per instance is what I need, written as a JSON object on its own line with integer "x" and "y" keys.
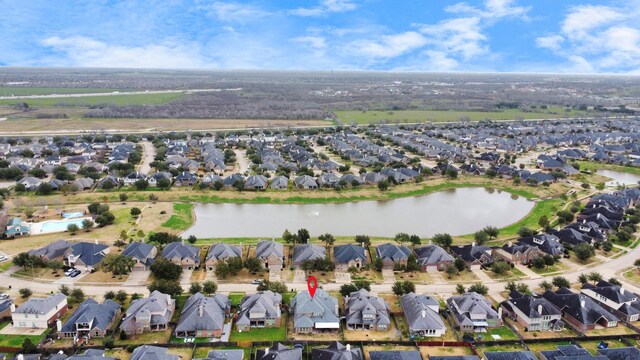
{"x": 399, "y": 35}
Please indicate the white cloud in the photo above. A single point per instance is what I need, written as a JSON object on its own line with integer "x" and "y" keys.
{"x": 316, "y": 42}
{"x": 493, "y": 9}
{"x": 325, "y": 7}
{"x": 233, "y": 11}
{"x": 461, "y": 37}
{"x": 87, "y": 52}
{"x": 389, "y": 46}
{"x": 597, "y": 39}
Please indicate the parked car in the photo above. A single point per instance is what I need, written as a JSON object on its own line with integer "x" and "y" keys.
{"x": 3, "y": 258}
{"x": 3, "y": 296}
{"x": 68, "y": 272}
{"x": 257, "y": 282}
{"x": 75, "y": 273}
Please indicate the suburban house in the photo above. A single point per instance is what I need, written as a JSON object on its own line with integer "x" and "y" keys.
{"x": 181, "y": 254}
{"x": 624, "y": 353}
{"x": 395, "y": 355}
{"x": 364, "y": 311}
{"x": 510, "y": 355}
{"x": 132, "y": 177}
{"x": 91, "y": 320}
{"x": 421, "y": 313}
{"x": 580, "y": 311}
{"x": 519, "y": 253}
{"x": 142, "y": 253}
{"x": 279, "y": 352}
{"x": 548, "y": 243}
{"x": 433, "y": 258}
{"x": 622, "y": 303}
{"x": 6, "y": 305}
{"x": 472, "y": 312}
{"x": 203, "y": 316}
{"x": 149, "y": 314}
{"x": 221, "y": 252}
{"x": 532, "y": 313}
{"x": 85, "y": 255}
{"x": 318, "y": 313}
{"x": 89, "y": 354}
{"x": 271, "y": 253}
{"x": 224, "y": 354}
{"x": 15, "y": 227}
{"x": 392, "y": 255}
{"x": 52, "y": 251}
{"x": 149, "y": 352}
{"x": 474, "y": 256}
{"x": 563, "y": 352}
{"x": 39, "y": 313}
{"x": 337, "y": 351}
{"x": 454, "y": 357}
{"x": 256, "y": 182}
{"x": 307, "y": 252}
{"x": 259, "y": 310}
{"x": 305, "y": 182}
{"x": 349, "y": 255}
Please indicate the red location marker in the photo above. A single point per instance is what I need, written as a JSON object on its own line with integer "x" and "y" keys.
{"x": 312, "y": 285}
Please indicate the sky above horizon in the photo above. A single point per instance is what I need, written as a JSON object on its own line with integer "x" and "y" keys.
{"x": 564, "y": 36}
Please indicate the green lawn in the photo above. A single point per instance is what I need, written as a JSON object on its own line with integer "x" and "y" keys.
{"x": 543, "y": 207}
{"x": 17, "y": 340}
{"x": 5, "y": 265}
{"x": 286, "y": 297}
{"x": 182, "y": 218}
{"x": 120, "y": 100}
{"x": 236, "y": 297}
{"x": 593, "y": 166}
{"x": 504, "y": 332}
{"x": 441, "y": 116}
{"x": 264, "y": 334}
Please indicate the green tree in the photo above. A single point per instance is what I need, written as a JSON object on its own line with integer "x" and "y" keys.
{"x": 327, "y": 239}
{"x": 44, "y": 189}
{"x": 544, "y": 221}
{"x": 445, "y": 240}
{"x": 303, "y": 236}
{"x": 72, "y": 229}
{"x": 607, "y": 246}
{"x": 25, "y": 292}
{"x": 109, "y": 295}
{"x": 383, "y": 185}
{"x": 546, "y": 285}
{"x": 274, "y": 286}
{"x": 123, "y": 197}
{"x": 87, "y": 225}
{"x": 363, "y": 239}
{"x": 165, "y": 269}
{"x": 402, "y": 238}
{"x": 479, "y": 288}
{"x": 28, "y": 347}
{"x": 560, "y": 282}
{"x": 64, "y": 289}
{"x": 583, "y": 279}
{"x": 105, "y": 218}
{"x": 121, "y": 296}
{"x": 403, "y": 287}
{"x": 595, "y": 277}
{"x": 209, "y": 287}
{"x": 584, "y": 251}
{"x": 118, "y": 264}
{"x": 539, "y": 263}
{"x": 195, "y": 288}
{"x": 76, "y": 296}
{"x": 169, "y": 287}
{"x": 415, "y": 240}
{"x": 480, "y": 237}
{"x": 141, "y": 184}
{"x": 135, "y": 211}
{"x": 500, "y": 267}
{"x": 525, "y": 231}
{"x": 253, "y": 265}
{"x": 460, "y": 289}
{"x": 459, "y": 264}
{"x": 192, "y": 239}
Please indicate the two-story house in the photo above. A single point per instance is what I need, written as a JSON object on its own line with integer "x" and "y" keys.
{"x": 421, "y": 313}
{"x": 317, "y": 313}
{"x": 39, "y": 313}
{"x": 364, "y": 311}
{"x": 271, "y": 253}
{"x": 149, "y": 314}
{"x": 615, "y": 298}
{"x": 349, "y": 256}
{"x": 259, "y": 310}
{"x": 181, "y": 254}
{"x": 90, "y": 320}
{"x": 221, "y": 252}
{"x": 203, "y": 316}
{"x": 85, "y": 255}
{"x": 142, "y": 253}
{"x": 533, "y": 313}
{"x": 472, "y": 312}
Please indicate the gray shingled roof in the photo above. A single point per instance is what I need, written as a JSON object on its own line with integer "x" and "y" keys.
{"x": 395, "y": 355}
{"x": 181, "y": 251}
{"x": 628, "y": 353}
{"x": 213, "y": 313}
{"x": 266, "y": 302}
{"x": 226, "y": 354}
{"x": 432, "y": 255}
{"x": 579, "y": 306}
{"x": 53, "y": 250}
{"x": 345, "y": 253}
{"x": 279, "y": 352}
{"x": 91, "y": 311}
{"x": 91, "y": 354}
{"x": 89, "y": 253}
{"x": 360, "y": 303}
{"x": 337, "y": 351}
{"x": 510, "y": 355}
{"x": 265, "y": 248}
{"x": 41, "y": 306}
{"x": 148, "y": 352}
{"x": 138, "y": 250}
{"x": 307, "y": 252}
{"x": 393, "y": 252}
{"x": 156, "y": 305}
{"x": 323, "y": 305}
{"x": 223, "y": 251}
{"x": 462, "y": 306}
{"x": 421, "y": 312}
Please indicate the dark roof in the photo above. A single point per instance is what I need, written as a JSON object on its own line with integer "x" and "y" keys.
{"x": 579, "y": 306}
{"x": 627, "y": 353}
{"x": 395, "y": 355}
{"x": 511, "y": 355}
{"x": 89, "y": 253}
{"x": 337, "y": 351}
{"x": 345, "y": 253}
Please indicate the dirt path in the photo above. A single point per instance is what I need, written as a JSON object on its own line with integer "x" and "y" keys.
{"x": 242, "y": 161}
{"x": 149, "y": 153}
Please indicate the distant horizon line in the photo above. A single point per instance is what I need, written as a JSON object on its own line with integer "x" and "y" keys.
{"x": 2, "y": 67}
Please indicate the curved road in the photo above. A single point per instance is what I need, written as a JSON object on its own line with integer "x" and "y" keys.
{"x": 607, "y": 269}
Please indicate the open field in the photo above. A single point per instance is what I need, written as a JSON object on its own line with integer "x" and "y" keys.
{"x": 25, "y": 91}
{"x": 120, "y": 100}
{"x": 182, "y": 217}
{"x": 15, "y": 126}
{"x": 593, "y": 166}
{"x": 442, "y": 116}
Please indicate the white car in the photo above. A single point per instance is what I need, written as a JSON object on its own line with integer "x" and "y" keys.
{"x": 68, "y": 272}
{"x": 3, "y": 258}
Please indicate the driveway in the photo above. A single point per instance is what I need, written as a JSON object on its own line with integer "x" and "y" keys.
{"x": 299, "y": 276}
{"x": 185, "y": 278}
{"x": 149, "y": 152}
{"x": 343, "y": 277}
{"x": 226, "y": 332}
{"x": 530, "y": 273}
{"x": 484, "y": 278}
{"x": 68, "y": 280}
{"x": 388, "y": 277}
{"x": 275, "y": 275}
{"x": 137, "y": 278}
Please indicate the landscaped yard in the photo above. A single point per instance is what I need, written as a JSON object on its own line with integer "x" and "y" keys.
{"x": 264, "y": 334}
{"x": 428, "y": 351}
{"x": 236, "y": 297}
{"x": 618, "y": 330}
{"x": 464, "y": 277}
{"x": 101, "y": 277}
{"x": 151, "y": 337}
{"x": 541, "y": 334}
{"x": 592, "y": 346}
{"x": 182, "y": 217}
{"x": 557, "y": 267}
{"x": 514, "y": 273}
{"x": 40, "y": 273}
{"x": 633, "y": 276}
{"x": 17, "y": 340}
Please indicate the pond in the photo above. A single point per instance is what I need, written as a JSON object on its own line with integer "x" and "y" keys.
{"x": 619, "y": 177}
{"x": 455, "y": 211}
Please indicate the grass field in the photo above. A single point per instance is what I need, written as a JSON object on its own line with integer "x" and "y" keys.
{"x": 17, "y": 340}
{"x": 142, "y": 99}
{"x": 442, "y": 116}
{"x": 25, "y": 91}
{"x": 593, "y": 166}
{"x": 264, "y": 334}
{"x": 182, "y": 217}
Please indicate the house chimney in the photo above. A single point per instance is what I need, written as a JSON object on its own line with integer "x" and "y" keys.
{"x": 540, "y": 309}
{"x": 20, "y": 357}
{"x": 348, "y": 347}
{"x": 58, "y": 325}
{"x": 266, "y": 351}
{"x": 96, "y": 241}
{"x": 500, "y": 312}
{"x": 582, "y": 302}
{"x": 182, "y": 241}
{"x": 424, "y": 313}
{"x": 13, "y": 307}
{"x": 510, "y": 244}
{"x": 622, "y": 290}
{"x": 473, "y": 243}
{"x": 200, "y": 310}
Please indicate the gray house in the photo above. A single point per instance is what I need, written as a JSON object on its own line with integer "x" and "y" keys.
{"x": 271, "y": 253}
{"x": 280, "y": 183}
{"x": 395, "y": 355}
{"x": 421, "y": 312}
{"x": 149, "y": 314}
{"x": 533, "y": 313}
{"x": 433, "y": 257}
{"x": 142, "y": 253}
{"x": 91, "y": 320}
{"x": 392, "y": 254}
{"x": 279, "y": 352}
{"x": 364, "y": 311}
{"x": 307, "y": 252}
{"x": 259, "y": 310}
{"x": 510, "y": 355}
{"x": 85, "y": 255}
{"x": 256, "y": 182}
{"x": 225, "y": 354}
{"x": 472, "y": 312}
{"x": 203, "y": 316}
{"x": 52, "y": 251}
{"x": 186, "y": 256}
{"x": 89, "y": 354}
{"x": 149, "y": 352}
{"x": 337, "y": 351}
{"x": 221, "y": 252}
{"x": 349, "y": 255}
{"x": 305, "y": 182}
{"x": 319, "y": 313}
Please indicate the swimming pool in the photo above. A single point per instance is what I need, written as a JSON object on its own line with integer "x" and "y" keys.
{"x": 71, "y": 215}
{"x": 57, "y": 225}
